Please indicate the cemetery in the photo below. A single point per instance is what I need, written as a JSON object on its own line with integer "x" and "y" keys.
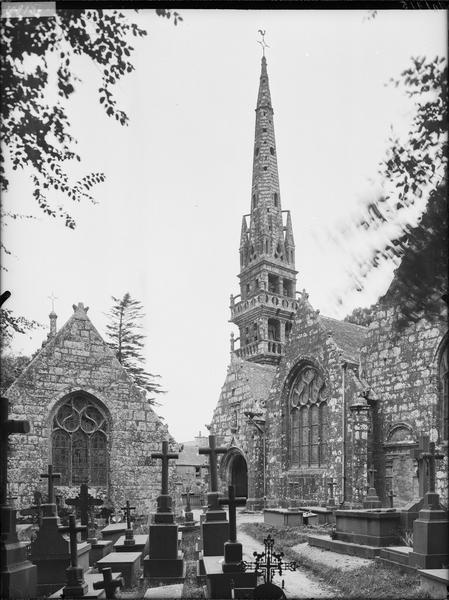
{"x": 324, "y": 472}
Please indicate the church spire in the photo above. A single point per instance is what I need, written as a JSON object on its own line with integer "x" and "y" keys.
{"x": 267, "y": 249}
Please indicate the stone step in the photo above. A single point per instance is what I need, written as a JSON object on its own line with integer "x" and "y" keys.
{"x": 396, "y": 556}
{"x": 326, "y": 542}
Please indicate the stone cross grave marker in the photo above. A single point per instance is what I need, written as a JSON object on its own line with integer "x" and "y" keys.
{"x": 331, "y": 500}
{"x": 109, "y": 583}
{"x": 232, "y": 548}
{"x": 273, "y": 562}
{"x": 212, "y": 452}
{"x": 431, "y": 457}
{"x": 371, "y": 472}
{"x": 425, "y": 456}
{"x": 188, "y": 494}
{"x": 51, "y": 476}
{"x": 84, "y": 503}
{"x": 232, "y": 502}
{"x": 129, "y": 533}
{"x": 391, "y": 495}
{"x": 7, "y": 427}
{"x": 164, "y": 500}
{"x": 76, "y": 586}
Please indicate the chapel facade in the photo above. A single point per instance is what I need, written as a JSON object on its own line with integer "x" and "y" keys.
{"x": 88, "y": 419}
{"x": 309, "y": 400}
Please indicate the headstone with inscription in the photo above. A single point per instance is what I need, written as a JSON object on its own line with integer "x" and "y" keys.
{"x": 165, "y": 562}
{"x": 18, "y": 575}
{"x": 50, "y": 551}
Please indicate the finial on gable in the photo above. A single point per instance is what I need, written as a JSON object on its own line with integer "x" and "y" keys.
{"x": 80, "y": 307}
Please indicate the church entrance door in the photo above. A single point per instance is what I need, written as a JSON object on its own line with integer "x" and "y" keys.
{"x": 238, "y": 475}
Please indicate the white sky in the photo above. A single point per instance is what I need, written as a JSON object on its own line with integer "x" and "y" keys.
{"x": 167, "y": 224}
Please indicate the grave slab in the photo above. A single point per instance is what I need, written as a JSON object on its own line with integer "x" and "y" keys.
{"x": 161, "y": 592}
{"x": 375, "y": 527}
{"x": 435, "y": 582}
{"x": 219, "y": 583}
{"x": 127, "y": 563}
{"x": 325, "y": 514}
{"x": 113, "y": 531}
{"x": 99, "y": 549}
{"x": 282, "y": 517}
{"x": 90, "y": 579}
{"x": 141, "y": 544}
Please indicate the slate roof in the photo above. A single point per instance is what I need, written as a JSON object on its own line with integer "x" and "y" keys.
{"x": 189, "y": 455}
{"x": 348, "y": 337}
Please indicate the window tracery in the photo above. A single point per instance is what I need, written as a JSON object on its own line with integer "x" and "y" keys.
{"x": 308, "y": 418}
{"x": 80, "y": 441}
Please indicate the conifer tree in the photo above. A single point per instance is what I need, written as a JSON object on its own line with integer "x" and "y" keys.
{"x": 124, "y": 332}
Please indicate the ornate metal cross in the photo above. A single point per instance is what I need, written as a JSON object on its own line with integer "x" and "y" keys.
{"x": 213, "y": 452}
{"x": 83, "y": 502}
{"x": 232, "y": 502}
{"x": 273, "y": 562}
{"x": 165, "y": 456}
{"x": 73, "y": 530}
{"x": 50, "y": 476}
{"x": 7, "y": 427}
{"x": 109, "y": 583}
{"x": 127, "y": 510}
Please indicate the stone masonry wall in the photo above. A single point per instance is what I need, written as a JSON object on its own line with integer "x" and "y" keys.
{"x": 402, "y": 371}
{"x": 245, "y": 389}
{"x": 77, "y": 359}
{"x": 309, "y": 341}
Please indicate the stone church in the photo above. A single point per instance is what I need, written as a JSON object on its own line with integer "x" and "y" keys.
{"x": 309, "y": 400}
{"x": 87, "y": 417}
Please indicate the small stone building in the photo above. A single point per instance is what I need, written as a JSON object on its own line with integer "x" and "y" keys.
{"x": 309, "y": 400}
{"x": 88, "y": 418}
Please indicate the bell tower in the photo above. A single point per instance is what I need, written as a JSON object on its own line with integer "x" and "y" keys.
{"x": 265, "y": 307}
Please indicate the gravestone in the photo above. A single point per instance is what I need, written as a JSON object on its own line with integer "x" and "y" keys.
{"x": 51, "y": 551}
{"x": 214, "y": 528}
{"x": 232, "y": 548}
{"x": 391, "y": 495}
{"x": 109, "y": 583}
{"x": 84, "y": 503}
{"x": 372, "y": 499}
{"x": 165, "y": 561}
{"x": 18, "y": 576}
{"x": 331, "y": 500}
{"x": 189, "y": 522}
{"x": 431, "y": 528}
{"x": 130, "y": 542}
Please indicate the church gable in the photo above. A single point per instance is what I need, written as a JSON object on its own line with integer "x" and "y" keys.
{"x": 87, "y": 417}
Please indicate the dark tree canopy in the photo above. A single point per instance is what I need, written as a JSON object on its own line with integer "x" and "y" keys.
{"x": 415, "y": 169}
{"x": 126, "y": 339}
{"x": 361, "y": 316}
{"x": 12, "y": 367}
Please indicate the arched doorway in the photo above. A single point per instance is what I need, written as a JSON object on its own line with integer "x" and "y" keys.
{"x": 238, "y": 474}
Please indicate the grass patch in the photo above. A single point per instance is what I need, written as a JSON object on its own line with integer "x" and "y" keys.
{"x": 373, "y": 581}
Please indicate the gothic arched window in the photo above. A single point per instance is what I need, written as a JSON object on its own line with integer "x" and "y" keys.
{"x": 308, "y": 419}
{"x": 80, "y": 441}
{"x": 443, "y": 374}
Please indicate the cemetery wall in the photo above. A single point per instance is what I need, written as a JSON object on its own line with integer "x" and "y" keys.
{"x": 77, "y": 359}
{"x": 402, "y": 370}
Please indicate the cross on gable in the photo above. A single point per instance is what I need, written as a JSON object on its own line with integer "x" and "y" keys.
{"x": 273, "y": 562}
{"x": 109, "y": 583}
{"x": 165, "y": 456}
{"x": 73, "y": 530}
{"x": 7, "y": 427}
{"x": 50, "y": 476}
{"x": 127, "y": 510}
{"x": 232, "y": 502}
{"x": 213, "y": 451}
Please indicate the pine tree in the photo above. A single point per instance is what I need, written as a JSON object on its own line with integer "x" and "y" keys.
{"x": 124, "y": 332}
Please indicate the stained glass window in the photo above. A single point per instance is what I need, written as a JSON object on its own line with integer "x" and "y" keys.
{"x": 308, "y": 419}
{"x": 80, "y": 441}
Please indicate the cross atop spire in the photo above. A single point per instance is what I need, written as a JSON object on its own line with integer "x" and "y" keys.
{"x": 52, "y": 297}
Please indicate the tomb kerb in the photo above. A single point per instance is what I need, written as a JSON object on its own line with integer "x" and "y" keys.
{"x": 18, "y": 575}
{"x": 215, "y": 527}
{"x": 232, "y": 548}
{"x": 76, "y": 586}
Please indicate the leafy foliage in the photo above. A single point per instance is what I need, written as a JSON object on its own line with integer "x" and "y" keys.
{"x": 11, "y": 324}
{"x": 127, "y": 341}
{"x": 12, "y": 367}
{"x": 414, "y": 173}
{"x": 361, "y": 316}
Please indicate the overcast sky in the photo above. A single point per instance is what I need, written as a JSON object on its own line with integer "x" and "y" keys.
{"x": 178, "y": 179}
